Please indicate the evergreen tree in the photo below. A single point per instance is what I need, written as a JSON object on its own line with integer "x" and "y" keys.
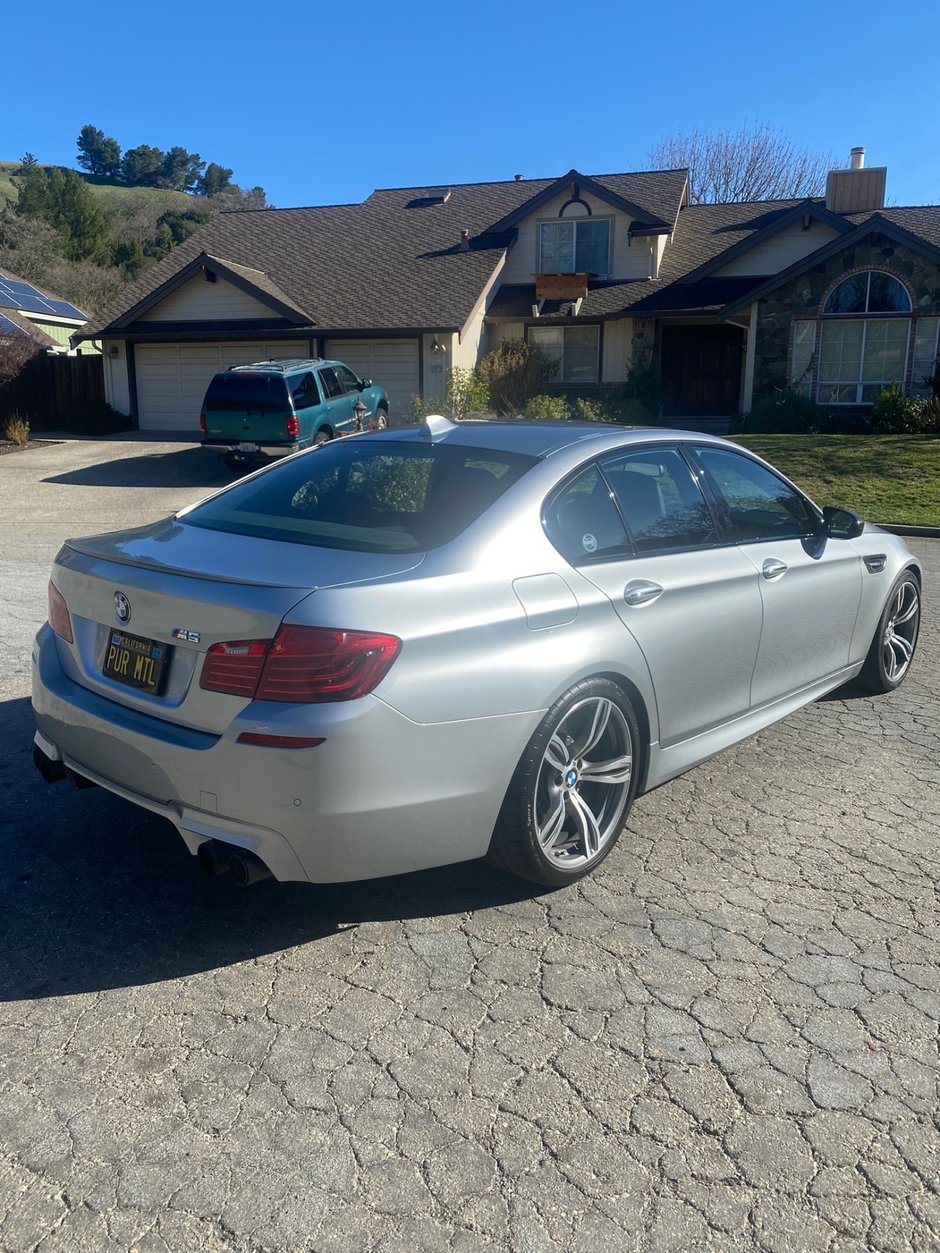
{"x": 98, "y": 153}
{"x": 141, "y": 166}
{"x": 215, "y": 179}
{"x": 63, "y": 199}
{"x": 180, "y": 170}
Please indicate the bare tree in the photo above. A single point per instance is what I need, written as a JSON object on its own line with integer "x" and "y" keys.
{"x": 754, "y": 162}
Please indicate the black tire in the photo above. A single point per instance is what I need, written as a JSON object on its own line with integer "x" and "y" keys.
{"x": 323, "y": 436}
{"x": 380, "y": 421}
{"x": 557, "y": 825}
{"x": 895, "y": 641}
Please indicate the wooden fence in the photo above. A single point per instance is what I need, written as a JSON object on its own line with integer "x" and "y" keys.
{"x": 53, "y": 388}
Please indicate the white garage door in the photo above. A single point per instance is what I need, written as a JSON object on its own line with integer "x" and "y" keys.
{"x": 172, "y": 378}
{"x": 392, "y": 363}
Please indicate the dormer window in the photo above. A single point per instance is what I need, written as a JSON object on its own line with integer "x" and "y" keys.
{"x": 575, "y": 246}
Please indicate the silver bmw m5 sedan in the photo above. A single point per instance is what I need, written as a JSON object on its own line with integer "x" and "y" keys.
{"x": 412, "y": 648}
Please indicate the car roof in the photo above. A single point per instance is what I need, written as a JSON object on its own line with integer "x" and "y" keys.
{"x": 281, "y": 365}
{"x": 538, "y": 437}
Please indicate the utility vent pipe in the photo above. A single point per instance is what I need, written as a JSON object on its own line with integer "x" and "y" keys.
{"x": 857, "y": 158}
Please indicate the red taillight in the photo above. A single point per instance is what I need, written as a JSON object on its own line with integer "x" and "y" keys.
{"x": 234, "y": 668}
{"x": 293, "y": 425}
{"x": 59, "y": 618}
{"x": 202, "y": 423}
{"x": 302, "y": 665}
{"x": 322, "y": 664}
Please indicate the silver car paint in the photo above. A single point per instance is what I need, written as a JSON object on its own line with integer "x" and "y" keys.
{"x": 496, "y": 625}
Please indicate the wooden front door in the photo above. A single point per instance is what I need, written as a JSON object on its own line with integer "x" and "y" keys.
{"x": 701, "y": 370}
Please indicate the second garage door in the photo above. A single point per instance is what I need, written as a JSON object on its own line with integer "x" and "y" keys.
{"x": 172, "y": 378}
{"x": 391, "y": 363}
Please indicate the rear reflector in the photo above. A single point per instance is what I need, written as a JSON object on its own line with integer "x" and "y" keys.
{"x": 59, "y": 618}
{"x": 279, "y": 741}
{"x": 302, "y": 665}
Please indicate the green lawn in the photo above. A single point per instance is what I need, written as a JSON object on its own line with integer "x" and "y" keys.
{"x": 885, "y": 478}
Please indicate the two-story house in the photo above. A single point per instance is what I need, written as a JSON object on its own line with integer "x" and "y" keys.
{"x": 835, "y": 296}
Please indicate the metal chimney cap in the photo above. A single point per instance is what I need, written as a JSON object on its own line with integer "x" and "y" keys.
{"x": 857, "y": 158}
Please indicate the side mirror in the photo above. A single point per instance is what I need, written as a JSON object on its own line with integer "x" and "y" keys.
{"x": 842, "y": 523}
{"x": 363, "y": 383}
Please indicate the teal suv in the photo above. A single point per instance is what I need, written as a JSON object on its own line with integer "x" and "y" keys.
{"x": 271, "y": 408}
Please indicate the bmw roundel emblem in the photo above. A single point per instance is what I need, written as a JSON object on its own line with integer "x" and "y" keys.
{"x": 122, "y": 607}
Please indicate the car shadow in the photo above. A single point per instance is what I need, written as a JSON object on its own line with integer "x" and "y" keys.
{"x": 96, "y": 893}
{"x": 187, "y": 467}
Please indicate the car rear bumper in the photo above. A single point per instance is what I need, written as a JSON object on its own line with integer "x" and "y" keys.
{"x": 254, "y": 448}
{"x": 381, "y": 795}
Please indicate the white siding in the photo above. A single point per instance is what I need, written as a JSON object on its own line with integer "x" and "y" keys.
{"x": 172, "y": 378}
{"x": 199, "y": 301}
{"x": 116, "y": 388}
{"x": 616, "y": 351}
{"x": 628, "y": 260}
{"x": 775, "y": 254}
{"x": 391, "y": 363}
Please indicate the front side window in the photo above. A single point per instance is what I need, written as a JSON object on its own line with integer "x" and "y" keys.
{"x": 573, "y": 350}
{"x": 579, "y": 246}
{"x": 663, "y": 505}
{"x": 863, "y": 341}
{"x": 346, "y": 377}
{"x": 758, "y": 504}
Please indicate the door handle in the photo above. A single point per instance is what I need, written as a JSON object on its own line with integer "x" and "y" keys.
{"x": 774, "y": 569}
{"x": 641, "y": 592}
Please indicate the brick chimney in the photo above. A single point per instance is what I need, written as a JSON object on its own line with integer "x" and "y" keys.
{"x": 856, "y": 189}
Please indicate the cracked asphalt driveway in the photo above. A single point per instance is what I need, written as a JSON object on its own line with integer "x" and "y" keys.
{"x": 726, "y": 1039}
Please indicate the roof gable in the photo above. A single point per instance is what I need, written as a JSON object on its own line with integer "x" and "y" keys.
{"x": 577, "y": 182}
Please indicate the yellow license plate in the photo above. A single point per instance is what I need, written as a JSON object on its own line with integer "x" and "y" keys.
{"x": 135, "y": 662}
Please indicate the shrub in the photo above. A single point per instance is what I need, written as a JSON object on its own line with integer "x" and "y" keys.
{"x": 95, "y": 417}
{"x": 513, "y": 372}
{"x": 590, "y": 409}
{"x": 467, "y": 393}
{"x": 782, "y": 411}
{"x": 641, "y": 396}
{"x": 893, "y": 413}
{"x": 546, "y": 407}
{"x": 16, "y": 430}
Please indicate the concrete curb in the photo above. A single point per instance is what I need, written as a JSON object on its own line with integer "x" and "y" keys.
{"x": 901, "y": 528}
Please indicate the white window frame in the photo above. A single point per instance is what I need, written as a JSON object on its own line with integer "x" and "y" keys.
{"x": 859, "y": 382}
{"x": 560, "y": 378}
{"x": 574, "y": 222}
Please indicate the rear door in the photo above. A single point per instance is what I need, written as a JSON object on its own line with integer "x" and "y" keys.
{"x": 691, "y": 605}
{"x": 810, "y": 585}
{"x": 338, "y": 404}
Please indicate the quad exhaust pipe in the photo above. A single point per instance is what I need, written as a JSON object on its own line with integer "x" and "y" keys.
{"x": 217, "y": 857}
{"x": 55, "y": 771}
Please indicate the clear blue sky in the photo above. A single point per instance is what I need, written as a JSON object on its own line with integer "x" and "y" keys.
{"x": 320, "y": 103}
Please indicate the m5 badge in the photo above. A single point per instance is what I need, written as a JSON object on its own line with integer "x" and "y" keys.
{"x": 181, "y": 633}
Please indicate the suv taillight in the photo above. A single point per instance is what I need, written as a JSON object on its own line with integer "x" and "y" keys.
{"x": 59, "y": 618}
{"x": 301, "y": 665}
{"x": 293, "y": 425}
{"x": 202, "y": 423}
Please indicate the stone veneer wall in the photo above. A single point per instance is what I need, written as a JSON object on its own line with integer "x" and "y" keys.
{"x": 803, "y": 295}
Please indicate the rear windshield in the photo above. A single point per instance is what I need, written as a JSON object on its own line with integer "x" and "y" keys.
{"x": 366, "y": 495}
{"x": 262, "y": 393}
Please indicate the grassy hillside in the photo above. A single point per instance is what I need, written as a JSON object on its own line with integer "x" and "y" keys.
{"x": 113, "y": 201}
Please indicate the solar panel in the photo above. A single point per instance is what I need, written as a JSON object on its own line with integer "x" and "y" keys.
{"x": 6, "y": 326}
{"x": 66, "y": 310}
{"x": 15, "y": 294}
{"x": 17, "y": 285}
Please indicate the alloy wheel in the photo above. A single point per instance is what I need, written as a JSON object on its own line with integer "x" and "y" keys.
{"x": 900, "y": 633}
{"x": 583, "y": 784}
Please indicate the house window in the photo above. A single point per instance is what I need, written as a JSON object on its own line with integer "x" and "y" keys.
{"x": 926, "y": 353}
{"x": 573, "y": 349}
{"x": 581, "y": 246}
{"x": 863, "y": 338}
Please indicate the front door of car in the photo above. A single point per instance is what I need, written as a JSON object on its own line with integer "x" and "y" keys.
{"x": 810, "y": 584}
{"x": 338, "y": 402}
{"x": 352, "y": 386}
{"x": 693, "y": 607}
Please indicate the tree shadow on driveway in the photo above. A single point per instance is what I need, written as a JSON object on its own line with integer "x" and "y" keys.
{"x": 96, "y": 893}
{"x": 186, "y": 467}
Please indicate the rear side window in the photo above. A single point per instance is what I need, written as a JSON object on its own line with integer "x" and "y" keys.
{"x": 660, "y": 500}
{"x": 260, "y": 393}
{"x": 304, "y": 391}
{"x": 759, "y": 505}
{"x": 330, "y": 383}
{"x": 367, "y": 496}
{"x": 582, "y": 521}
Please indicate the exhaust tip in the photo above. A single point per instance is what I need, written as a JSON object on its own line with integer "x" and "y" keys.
{"x": 51, "y": 771}
{"x": 214, "y": 856}
{"x": 245, "y": 869}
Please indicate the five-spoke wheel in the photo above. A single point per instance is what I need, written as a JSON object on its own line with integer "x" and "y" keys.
{"x": 892, "y": 649}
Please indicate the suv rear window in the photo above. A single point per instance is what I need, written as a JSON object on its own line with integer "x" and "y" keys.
{"x": 263, "y": 393}
{"x": 367, "y": 496}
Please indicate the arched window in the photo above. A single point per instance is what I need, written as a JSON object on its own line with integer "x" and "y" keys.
{"x": 864, "y": 334}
